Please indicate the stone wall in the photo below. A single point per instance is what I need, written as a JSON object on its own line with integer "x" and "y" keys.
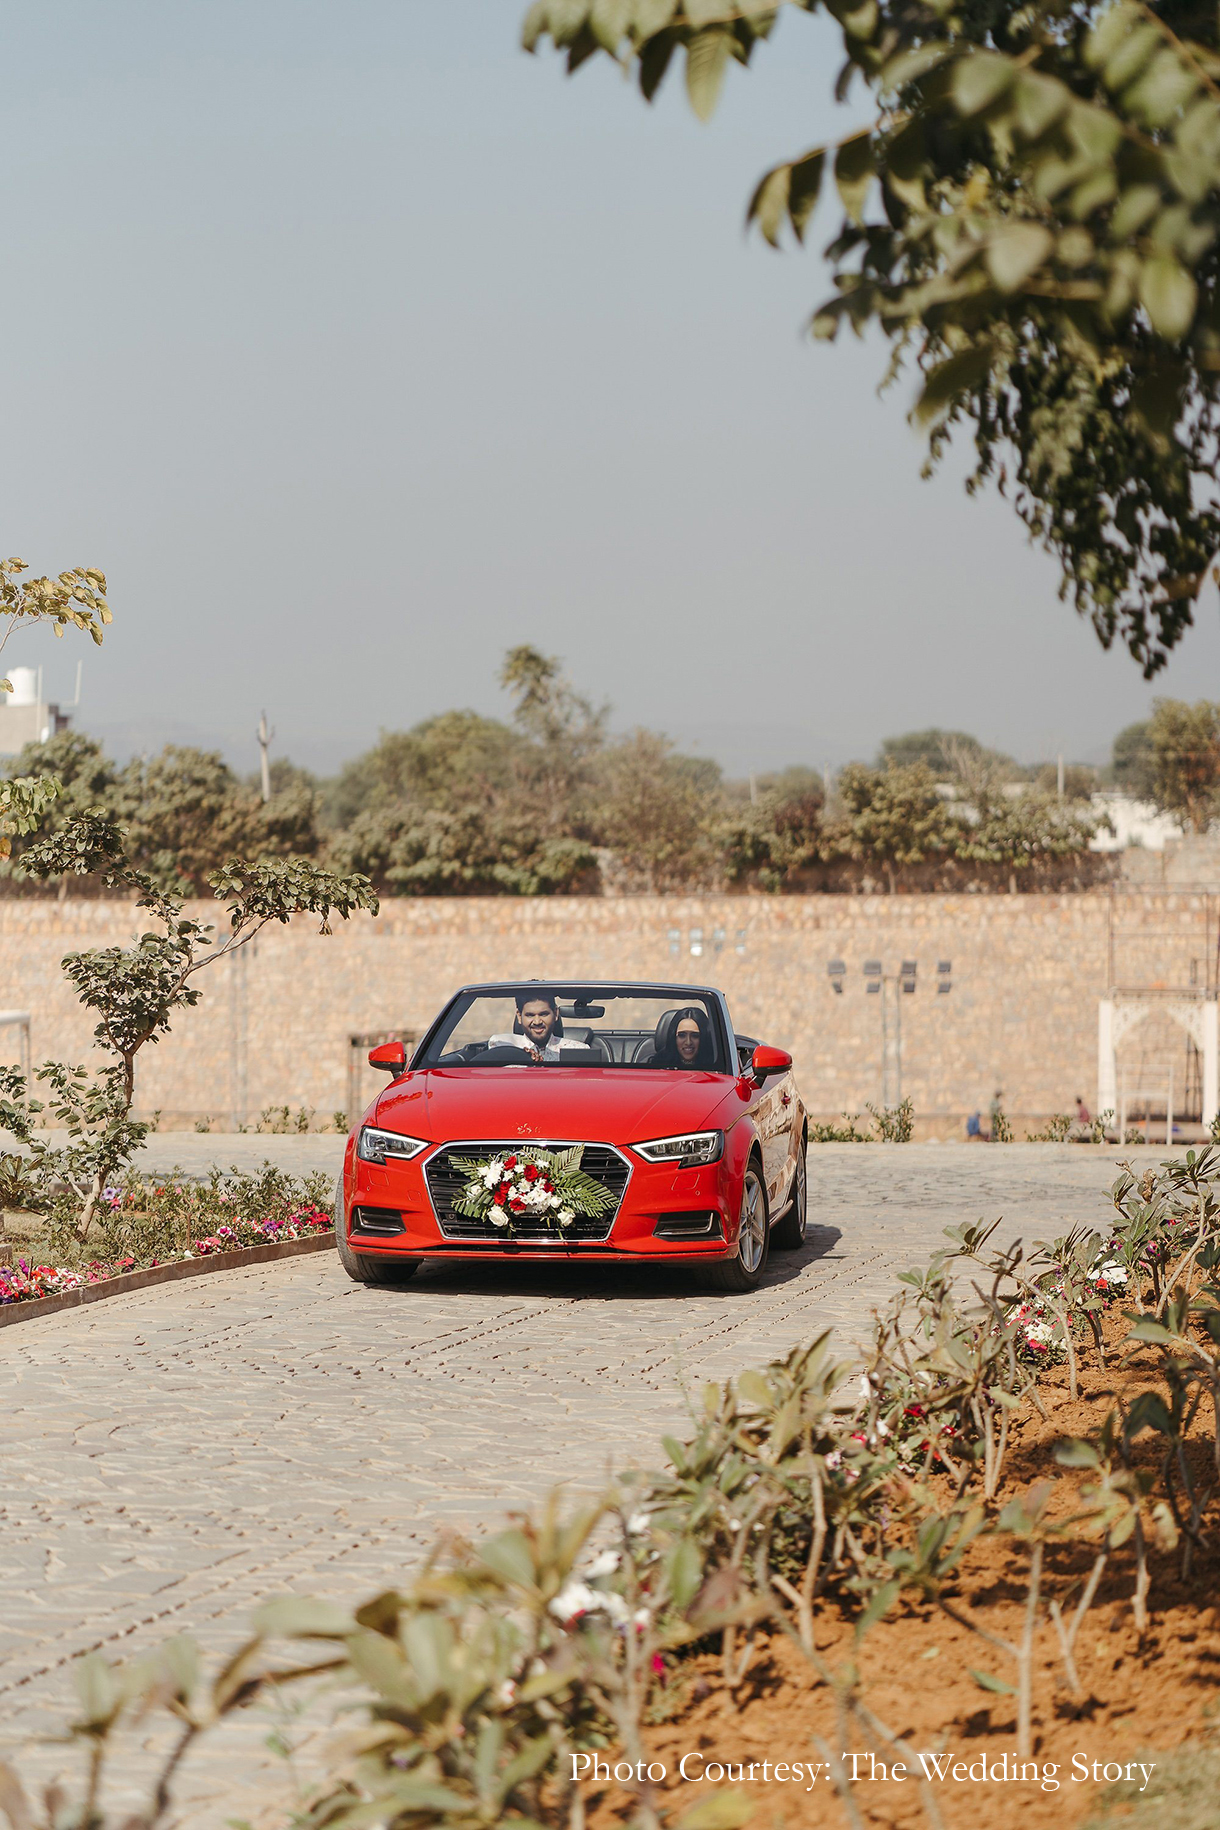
{"x": 275, "y": 1023}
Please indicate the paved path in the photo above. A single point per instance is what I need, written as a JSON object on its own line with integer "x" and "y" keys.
{"x": 172, "y": 1455}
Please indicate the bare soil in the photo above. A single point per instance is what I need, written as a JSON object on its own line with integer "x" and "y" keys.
{"x": 1138, "y": 1692}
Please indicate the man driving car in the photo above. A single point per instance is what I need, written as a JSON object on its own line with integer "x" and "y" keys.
{"x": 536, "y": 1028}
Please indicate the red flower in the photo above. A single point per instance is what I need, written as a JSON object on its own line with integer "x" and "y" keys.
{"x": 501, "y": 1195}
{"x": 548, "y": 1188}
{"x": 516, "y": 1206}
{"x": 510, "y": 1162}
{"x": 531, "y": 1172}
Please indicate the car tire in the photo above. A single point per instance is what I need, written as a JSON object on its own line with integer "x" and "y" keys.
{"x": 743, "y": 1271}
{"x": 363, "y": 1267}
{"x": 788, "y": 1233}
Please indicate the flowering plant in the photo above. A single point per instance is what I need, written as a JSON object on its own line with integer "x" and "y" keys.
{"x": 546, "y": 1186}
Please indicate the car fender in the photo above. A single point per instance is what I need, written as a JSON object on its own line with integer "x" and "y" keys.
{"x": 741, "y": 1142}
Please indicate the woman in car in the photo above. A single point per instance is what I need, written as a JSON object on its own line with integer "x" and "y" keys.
{"x": 689, "y": 1042}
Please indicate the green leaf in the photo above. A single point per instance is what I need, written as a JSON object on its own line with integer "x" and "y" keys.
{"x": 854, "y": 167}
{"x": 702, "y": 12}
{"x": 652, "y": 16}
{"x": 804, "y": 188}
{"x": 880, "y": 1602}
{"x": 1109, "y": 32}
{"x": 1077, "y": 1454}
{"x": 1038, "y": 102}
{"x": 95, "y": 1685}
{"x": 1133, "y": 51}
{"x": 721, "y": 1811}
{"x": 1016, "y": 251}
{"x": 1149, "y": 1412}
{"x": 303, "y": 1617}
{"x": 950, "y": 379}
{"x": 608, "y": 21}
{"x": 985, "y": 1681}
{"x": 534, "y": 24}
{"x": 979, "y": 79}
{"x": 685, "y": 1571}
{"x": 769, "y": 204}
{"x": 755, "y": 1388}
{"x": 909, "y": 65}
{"x": 706, "y": 58}
{"x": 1165, "y": 88}
{"x": 1169, "y": 295}
{"x": 1133, "y": 209}
{"x": 508, "y": 1554}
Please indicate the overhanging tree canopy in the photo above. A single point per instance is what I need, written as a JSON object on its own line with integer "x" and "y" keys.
{"x": 1032, "y": 220}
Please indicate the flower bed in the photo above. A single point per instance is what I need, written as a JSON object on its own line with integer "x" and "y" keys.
{"x": 26, "y": 1281}
{"x": 149, "y": 1224}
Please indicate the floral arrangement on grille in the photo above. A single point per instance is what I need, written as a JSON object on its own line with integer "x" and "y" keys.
{"x": 546, "y": 1186}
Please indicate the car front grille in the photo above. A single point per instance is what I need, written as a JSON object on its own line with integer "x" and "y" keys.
{"x": 445, "y": 1183}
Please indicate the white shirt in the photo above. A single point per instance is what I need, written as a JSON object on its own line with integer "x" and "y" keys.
{"x": 552, "y": 1052}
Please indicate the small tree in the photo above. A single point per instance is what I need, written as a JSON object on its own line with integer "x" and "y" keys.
{"x": 655, "y": 810}
{"x": 135, "y": 991}
{"x": 1184, "y": 747}
{"x": 77, "y": 600}
{"x": 894, "y": 816}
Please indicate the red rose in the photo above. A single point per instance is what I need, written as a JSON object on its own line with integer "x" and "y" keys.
{"x": 500, "y": 1196}
{"x": 510, "y": 1162}
{"x": 516, "y": 1206}
{"x": 531, "y": 1172}
{"x": 548, "y": 1188}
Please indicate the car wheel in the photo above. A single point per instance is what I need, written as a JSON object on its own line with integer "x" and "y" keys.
{"x": 362, "y": 1267}
{"x": 789, "y": 1233}
{"x": 743, "y": 1272}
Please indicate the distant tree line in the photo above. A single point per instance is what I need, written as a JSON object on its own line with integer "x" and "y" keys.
{"x": 549, "y": 802}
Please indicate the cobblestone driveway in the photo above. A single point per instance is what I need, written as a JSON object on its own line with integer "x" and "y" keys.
{"x": 172, "y": 1455}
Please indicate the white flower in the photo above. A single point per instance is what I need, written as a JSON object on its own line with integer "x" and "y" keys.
{"x": 493, "y": 1173}
{"x": 866, "y": 1390}
{"x": 566, "y": 1216}
{"x": 573, "y": 1599}
{"x": 603, "y": 1565}
{"x": 507, "y": 1693}
{"x": 883, "y": 1428}
{"x": 641, "y": 1617}
{"x": 1115, "y": 1272}
{"x": 497, "y": 1214}
{"x": 638, "y": 1524}
{"x": 615, "y": 1607}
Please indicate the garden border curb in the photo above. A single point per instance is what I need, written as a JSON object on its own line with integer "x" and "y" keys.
{"x": 11, "y": 1313}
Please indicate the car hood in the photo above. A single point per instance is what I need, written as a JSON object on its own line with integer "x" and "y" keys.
{"x": 554, "y": 1104}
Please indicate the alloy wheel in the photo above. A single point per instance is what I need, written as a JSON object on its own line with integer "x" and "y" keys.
{"x": 752, "y": 1234}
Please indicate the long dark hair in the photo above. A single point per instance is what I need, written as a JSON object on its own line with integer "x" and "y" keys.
{"x": 704, "y": 1055}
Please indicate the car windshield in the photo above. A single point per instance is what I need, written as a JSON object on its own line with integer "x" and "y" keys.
{"x": 582, "y": 1026}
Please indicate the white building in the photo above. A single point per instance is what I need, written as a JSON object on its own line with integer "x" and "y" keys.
{"x": 25, "y": 716}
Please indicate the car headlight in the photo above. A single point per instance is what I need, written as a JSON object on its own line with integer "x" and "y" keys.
{"x": 376, "y": 1146}
{"x": 696, "y": 1147}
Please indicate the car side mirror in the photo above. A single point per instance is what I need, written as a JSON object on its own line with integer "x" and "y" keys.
{"x": 390, "y": 1058}
{"x": 766, "y": 1062}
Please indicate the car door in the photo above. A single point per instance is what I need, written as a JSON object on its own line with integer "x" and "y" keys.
{"x": 770, "y": 1108}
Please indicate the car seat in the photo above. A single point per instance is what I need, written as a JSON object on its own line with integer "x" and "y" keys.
{"x": 660, "y": 1043}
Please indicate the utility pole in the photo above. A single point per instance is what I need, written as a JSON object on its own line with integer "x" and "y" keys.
{"x": 264, "y": 744}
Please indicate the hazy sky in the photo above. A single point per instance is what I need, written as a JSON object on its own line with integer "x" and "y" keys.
{"x": 356, "y": 346}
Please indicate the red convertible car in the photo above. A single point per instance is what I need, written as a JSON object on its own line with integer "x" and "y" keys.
{"x": 577, "y": 1120}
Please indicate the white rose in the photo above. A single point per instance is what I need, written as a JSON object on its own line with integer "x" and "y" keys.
{"x": 603, "y": 1565}
{"x": 498, "y": 1215}
{"x": 566, "y": 1216}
